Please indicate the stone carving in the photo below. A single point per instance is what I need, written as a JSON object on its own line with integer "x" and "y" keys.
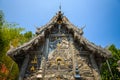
{"x": 62, "y": 46}
{"x": 59, "y": 64}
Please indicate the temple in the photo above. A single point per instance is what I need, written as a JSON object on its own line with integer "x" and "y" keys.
{"x": 59, "y": 51}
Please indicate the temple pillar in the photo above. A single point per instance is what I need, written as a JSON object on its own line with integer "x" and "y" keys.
{"x": 23, "y": 68}
{"x": 45, "y": 57}
{"x": 95, "y": 68}
{"x": 46, "y": 48}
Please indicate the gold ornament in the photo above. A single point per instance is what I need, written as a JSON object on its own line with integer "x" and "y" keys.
{"x": 34, "y": 61}
{"x": 32, "y": 68}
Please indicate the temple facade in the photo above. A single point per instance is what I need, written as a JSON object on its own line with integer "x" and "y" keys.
{"x": 59, "y": 51}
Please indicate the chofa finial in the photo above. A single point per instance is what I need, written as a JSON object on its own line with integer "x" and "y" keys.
{"x": 60, "y": 7}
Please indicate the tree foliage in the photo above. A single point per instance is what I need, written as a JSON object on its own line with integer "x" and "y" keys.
{"x": 1, "y": 17}
{"x": 10, "y": 35}
{"x": 105, "y": 72}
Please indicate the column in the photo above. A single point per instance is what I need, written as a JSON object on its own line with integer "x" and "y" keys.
{"x": 46, "y": 48}
{"x": 95, "y": 68}
{"x": 45, "y": 57}
{"x": 23, "y": 68}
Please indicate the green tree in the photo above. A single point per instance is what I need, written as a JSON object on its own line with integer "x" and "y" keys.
{"x": 10, "y": 34}
{"x": 1, "y": 23}
{"x": 28, "y": 35}
{"x": 1, "y": 17}
{"x": 105, "y": 72}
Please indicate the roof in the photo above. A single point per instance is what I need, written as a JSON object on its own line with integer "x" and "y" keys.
{"x": 78, "y": 34}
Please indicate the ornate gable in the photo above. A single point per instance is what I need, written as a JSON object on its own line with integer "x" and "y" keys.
{"x": 59, "y": 52}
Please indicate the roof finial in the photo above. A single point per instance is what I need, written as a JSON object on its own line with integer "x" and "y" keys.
{"x": 60, "y": 7}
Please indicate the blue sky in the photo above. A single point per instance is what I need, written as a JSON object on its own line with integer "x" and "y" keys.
{"x": 101, "y": 17}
